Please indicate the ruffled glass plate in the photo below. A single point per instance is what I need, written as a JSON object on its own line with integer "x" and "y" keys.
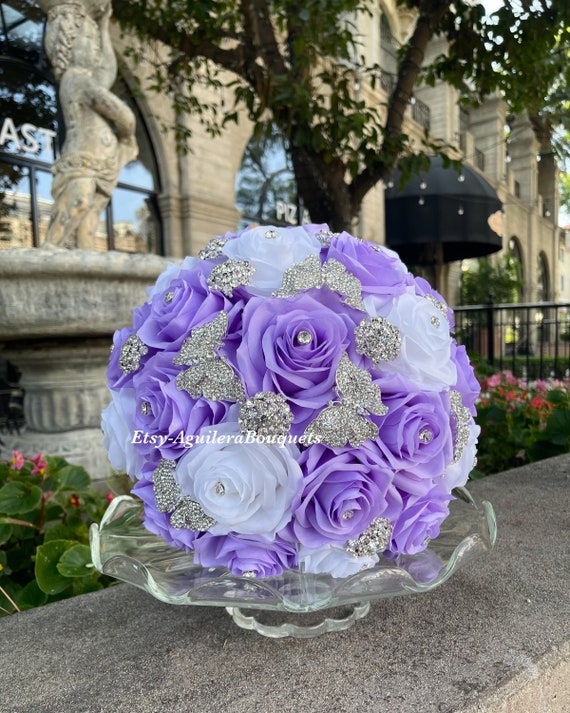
{"x": 295, "y": 603}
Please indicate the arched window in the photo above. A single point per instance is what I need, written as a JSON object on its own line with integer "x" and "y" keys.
{"x": 542, "y": 279}
{"x": 388, "y": 52}
{"x": 31, "y": 134}
{"x": 266, "y": 190}
{"x": 515, "y": 252}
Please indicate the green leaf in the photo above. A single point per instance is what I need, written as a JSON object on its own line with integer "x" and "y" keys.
{"x": 30, "y": 596}
{"x": 48, "y": 577}
{"x": 76, "y": 562}
{"x": 17, "y": 498}
{"x": 73, "y": 477}
{"x": 59, "y": 532}
{"x": 5, "y": 533}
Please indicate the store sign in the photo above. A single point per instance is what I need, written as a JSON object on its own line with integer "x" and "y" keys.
{"x": 287, "y": 212}
{"x": 27, "y": 138}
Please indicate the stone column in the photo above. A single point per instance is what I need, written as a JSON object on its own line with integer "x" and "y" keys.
{"x": 58, "y": 312}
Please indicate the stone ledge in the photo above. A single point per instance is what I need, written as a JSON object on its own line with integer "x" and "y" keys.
{"x": 495, "y": 638}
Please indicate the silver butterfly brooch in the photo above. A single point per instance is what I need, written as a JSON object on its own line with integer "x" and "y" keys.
{"x": 345, "y": 422}
{"x": 209, "y": 374}
{"x": 184, "y": 512}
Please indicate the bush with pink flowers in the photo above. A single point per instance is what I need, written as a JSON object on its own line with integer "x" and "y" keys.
{"x": 520, "y": 422}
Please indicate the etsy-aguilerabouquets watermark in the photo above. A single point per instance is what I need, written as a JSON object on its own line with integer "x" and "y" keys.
{"x": 189, "y": 440}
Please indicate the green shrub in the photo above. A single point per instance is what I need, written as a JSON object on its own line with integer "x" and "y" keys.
{"x": 521, "y": 423}
{"x": 46, "y": 507}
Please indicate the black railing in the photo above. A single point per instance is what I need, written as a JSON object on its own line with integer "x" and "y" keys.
{"x": 532, "y": 340}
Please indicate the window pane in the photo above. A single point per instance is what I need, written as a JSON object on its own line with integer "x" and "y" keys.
{"x": 44, "y": 200}
{"x": 15, "y": 207}
{"x": 135, "y": 221}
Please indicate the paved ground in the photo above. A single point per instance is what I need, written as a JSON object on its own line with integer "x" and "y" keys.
{"x": 495, "y": 637}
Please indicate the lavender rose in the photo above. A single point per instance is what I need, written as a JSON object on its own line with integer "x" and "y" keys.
{"x": 379, "y": 270}
{"x": 415, "y": 435}
{"x": 420, "y": 521}
{"x": 246, "y": 554}
{"x": 186, "y": 303}
{"x": 467, "y": 383}
{"x": 344, "y": 490}
{"x": 165, "y": 416}
{"x": 293, "y": 346}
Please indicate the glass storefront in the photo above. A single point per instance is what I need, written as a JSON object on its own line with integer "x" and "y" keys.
{"x": 31, "y": 134}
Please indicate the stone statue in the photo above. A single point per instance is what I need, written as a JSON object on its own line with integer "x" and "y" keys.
{"x": 99, "y": 127}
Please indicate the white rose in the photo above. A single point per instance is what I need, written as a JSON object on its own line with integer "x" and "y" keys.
{"x": 457, "y": 474}
{"x": 425, "y": 354}
{"x": 333, "y": 560}
{"x": 116, "y": 421}
{"x": 166, "y": 277}
{"x": 248, "y": 488}
{"x": 271, "y": 250}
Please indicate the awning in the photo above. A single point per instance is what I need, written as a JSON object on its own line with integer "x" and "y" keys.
{"x": 443, "y": 215}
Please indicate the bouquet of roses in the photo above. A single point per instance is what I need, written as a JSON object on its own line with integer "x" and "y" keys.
{"x": 292, "y": 399}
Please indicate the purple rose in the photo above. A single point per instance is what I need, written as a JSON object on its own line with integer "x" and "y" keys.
{"x": 165, "y": 415}
{"x": 467, "y": 383}
{"x": 345, "y": 489}
{"x": 380, "y": 271}
{"x": 293, "y": 346}
{"x": 246, "y": 553}
{"x": 419, "y": 521}
{"x": 159, "y": 522}
{"x": 186, "y": 303}
{"x": 116, "y": 377}
{"x": 415, "y": 436}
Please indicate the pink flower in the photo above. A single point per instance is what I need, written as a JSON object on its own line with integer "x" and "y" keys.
{"x": 537, "y": 402}
{"x": 40, "y": 464}
{"x": 109, "y": 497}
{"x": 493, "y": 380}
{"x": 18, "y": 460}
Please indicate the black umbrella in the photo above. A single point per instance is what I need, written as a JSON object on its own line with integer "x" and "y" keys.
{"x": 442, "y": 215}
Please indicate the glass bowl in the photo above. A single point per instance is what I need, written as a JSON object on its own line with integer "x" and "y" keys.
{"x": 295, "y": 603}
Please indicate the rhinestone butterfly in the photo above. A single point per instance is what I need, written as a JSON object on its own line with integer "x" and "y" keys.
{"x": 209, "y": 375}
{"x": 345, "y": 422}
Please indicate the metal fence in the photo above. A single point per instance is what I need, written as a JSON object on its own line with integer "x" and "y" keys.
{"x": 532, "y": 340}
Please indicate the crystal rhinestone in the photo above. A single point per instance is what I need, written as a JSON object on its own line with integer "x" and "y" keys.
{"x": 265, "y": 414}
{"x": 373, "y": 540}
{"x": 189, "y": 514}
{"x": 229, "y": 275}
{"x": 303, "y": 337}
{"x": 166, "y": 489}
{"x": 345, "y": 422}
{"x": 202, "y": 344}
{"x": 426, "y": 435}
{"x": 168, "y": 297}
{"x": 377, "y": 339}
{"x": 462, "y": 417}
{"x": 214, "y": 380}
{"x": 213, "y": 249}
{"x": 250, "y": 573}
{"x": 302, "y": 276}
{"x": 338, "y": 279}
{"x": 439, "y": 305}
{"x": 131, "y": 353}
{"x": 311, "y": 274}
{"x": 325, "y": 236}
{"x": 220, "y": 488}
{"x": 271, "y": 234}
{"x": 347, "y": 514}
{"x": 435, "y": 321}
{"x": 146, "y": 409}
